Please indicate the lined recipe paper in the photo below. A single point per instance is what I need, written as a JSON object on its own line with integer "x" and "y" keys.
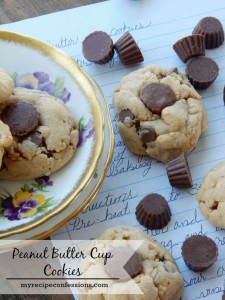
{"x": 156, "y": 26}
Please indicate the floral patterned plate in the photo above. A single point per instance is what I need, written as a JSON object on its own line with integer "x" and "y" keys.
{"x": 36, "y": 65}
{"x": 50, "y": 226}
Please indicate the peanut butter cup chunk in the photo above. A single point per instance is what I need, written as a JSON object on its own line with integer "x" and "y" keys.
{"x": 202, "y": 71}
{"x": 153, "y": 212}
{"x": 122, "y": 268}
{"x": 98, "y": 47}
{"x": 128, "y": 50}
{"x": 190, "y": 46}
{"x": 212, "y": 29}
{"x": 147, "y": 134}
{"x": 21, "y": 117}
{"x": 199, "y": 252}
{"x": 125, "y": 115}
{"x": 157, "y": 96}
{"x": 178, "y": 171}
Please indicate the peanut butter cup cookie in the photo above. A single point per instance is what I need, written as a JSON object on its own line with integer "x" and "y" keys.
{"x": 45, "y": 134}
{"x": 158, "y": 112}
{"x": 211, "y": 197}
{"x": 151, "y": 268}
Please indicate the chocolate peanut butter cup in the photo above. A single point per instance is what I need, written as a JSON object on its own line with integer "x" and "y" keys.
{"x": 98, "y": 47}
{"x": 128, "y": 50}
{"x": 223, "y": 296}
{"x": 153, "y": 212}
{"x": 199, "y": 252}
{"x": 21, "y": 117}
{"x": 190, "y": 46}
{"x": 178, "y": 171}
{"x": 156, "y": 96}
{"x": 147, "y": 134}
{"x": 212, "y": 29}
{"x": 122, "y": 268}
{"x": 202, "y": 71}
{"x": 126, "y": 115}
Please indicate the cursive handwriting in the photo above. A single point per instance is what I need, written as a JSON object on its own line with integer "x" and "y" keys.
{"x": 120, "y": 164}
{"x": 211, "y": 291}
{"x": 124, "y": 28}
{"x": 194, "y": 280}
{"x": 110, "y": 200}
{"x": 173, "y": 195}
{"x": 109, "y": 215}
{"x": 186, "y": 222}
{"x": 64, "y": 42}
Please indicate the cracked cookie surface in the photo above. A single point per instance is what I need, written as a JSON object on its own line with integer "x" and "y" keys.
{"x": 211, "y": 197}
{"x": 46, "y": 149}
{"x": 162, "y": 130}
{"x": 159, "y": 279}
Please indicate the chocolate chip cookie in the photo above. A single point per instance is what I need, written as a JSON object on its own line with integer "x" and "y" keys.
{"x": 211, "y": 197}
{"x": 45, "y": 134}
{"x": 151, "y": 267}
{"x": 158, "y": 112}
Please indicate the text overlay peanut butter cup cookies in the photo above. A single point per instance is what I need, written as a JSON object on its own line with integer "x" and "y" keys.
{"x": 45, "y": 134}
{"x": 155, "y": 273}
{"x": 158, "y": 112}
{"x": 211, "y": 196}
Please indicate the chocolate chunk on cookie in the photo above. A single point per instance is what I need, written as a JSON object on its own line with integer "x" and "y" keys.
{"x": 190, "y": 46}
{"x": 199, "y": 252}
{"x": 21, "y": 117}
{"x": 147, "y": 134}
{"x": 116, "y": 266}
{"x": 98, "y": 47}
{"x": 178, "y": 171}
{"x": 202, "y": 71}
{"x": 212, "y": 29}
{"x": 128, "y": 50}
{"x": 153, "y": 212}
{"x": 125, "y": 115}
{"x": 157, "y": 96}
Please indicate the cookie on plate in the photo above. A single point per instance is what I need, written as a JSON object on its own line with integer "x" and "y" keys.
{"x": 5, "y": 139}
{"x": 158, "y": 112}
{"x": 45, "y": 135}
{"x": 152, "y": 268}
{"x": 6, "y": 85}
{"x": 211, "y": 197}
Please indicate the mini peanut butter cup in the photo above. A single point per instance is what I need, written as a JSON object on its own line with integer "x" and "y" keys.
{"x": 128, "y": 50}
{"x": 178, "y": 171}
{"x": 202, "y": 71}
{"x": 153, "y": 212}
{"x": 21, "y": 117}
{"x": 98, "y": 47}
{"x": 212, "y": 29}
{"x": 190, "y": 46}
{"x": 199, "y": 252}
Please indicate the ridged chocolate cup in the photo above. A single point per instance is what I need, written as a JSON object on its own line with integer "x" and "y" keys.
{"x": 153, "y": 212}
{"x": 178, "y": 171}
{"x": 199, "y": 252}
{"x": 212, "y": 29}
{"x": 128, "y": 50}
{"x": 201, "y": 71}
{"x": 98, "y": 47}
{"x": 190, "y": 46}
